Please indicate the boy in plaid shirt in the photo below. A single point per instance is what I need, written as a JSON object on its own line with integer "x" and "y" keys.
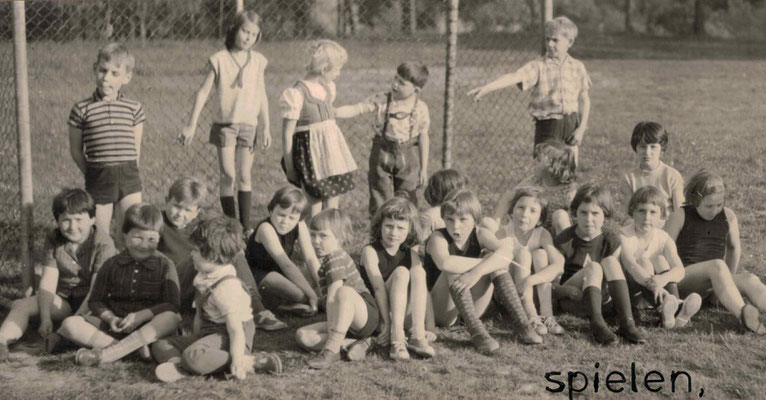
{"x": 560, "y": 102}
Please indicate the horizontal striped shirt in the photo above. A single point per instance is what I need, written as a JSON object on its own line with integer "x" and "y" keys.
{"x": 107, "y": 127}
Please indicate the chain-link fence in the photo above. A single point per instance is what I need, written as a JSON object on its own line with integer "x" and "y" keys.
{"x": 172, "y": 40}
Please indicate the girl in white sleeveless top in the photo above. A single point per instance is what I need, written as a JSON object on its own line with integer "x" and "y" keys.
{"x": 533, "y": 249}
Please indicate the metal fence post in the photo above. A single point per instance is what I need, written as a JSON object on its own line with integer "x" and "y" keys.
{"x": 24, "y": 144}
{"x": 547, "y": 15}
{"x": 449, "y": 86}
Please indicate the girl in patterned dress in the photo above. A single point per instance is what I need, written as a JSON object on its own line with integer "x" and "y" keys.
{"x": 316, "y": 156}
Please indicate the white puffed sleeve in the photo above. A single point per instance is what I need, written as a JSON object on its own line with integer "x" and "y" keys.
{"x": 291, "y": 103}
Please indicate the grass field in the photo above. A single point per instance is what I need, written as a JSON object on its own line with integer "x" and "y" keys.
{"x": 710, "y": 96}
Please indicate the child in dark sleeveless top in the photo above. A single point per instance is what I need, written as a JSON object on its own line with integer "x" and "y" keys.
{"x": 707, "y": 238}
{"x": 390, "y": 263}
{"x": 462, "y": 278}
{"x": 269, "y": 249}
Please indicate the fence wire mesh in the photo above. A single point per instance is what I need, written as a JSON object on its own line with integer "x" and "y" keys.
{"x": 172, "y": 40}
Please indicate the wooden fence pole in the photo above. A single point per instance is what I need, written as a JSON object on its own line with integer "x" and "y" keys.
{"x": 24, "y": 153}
{"x": 449, "y": 85}
{"x": 240, "y": 5}
{"x": 547, "y": 15}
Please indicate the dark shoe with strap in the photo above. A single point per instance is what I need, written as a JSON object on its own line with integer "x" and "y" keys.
{"x": 324, "y": 359}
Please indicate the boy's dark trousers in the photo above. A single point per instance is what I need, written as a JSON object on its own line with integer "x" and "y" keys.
{"x": 394, "y": 166}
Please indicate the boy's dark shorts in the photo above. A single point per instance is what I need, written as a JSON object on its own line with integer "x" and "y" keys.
{"x": 372, "y": 319}
{"x": 108, "y": 183}
{"x": 559, "y": 130}
{"x": 231, "y": 135}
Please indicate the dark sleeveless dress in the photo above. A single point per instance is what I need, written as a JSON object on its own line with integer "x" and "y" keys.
{"x": 472, "y": 249}
{"x": 260, "y": 260}
{"x": 701, "y": 240}
{"x": 387, "y": 263}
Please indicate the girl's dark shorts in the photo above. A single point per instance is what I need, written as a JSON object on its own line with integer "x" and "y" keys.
{"x": 372, "y": 318}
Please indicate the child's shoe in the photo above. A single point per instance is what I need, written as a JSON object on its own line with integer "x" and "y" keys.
{"x": 170, "y": 371}
{"x": 632, "y": 334}
{"x": 4, "y": 352}
{"x": 52, "y": 342}
{"x": 538, "y": 326}
{"x": 689, "y": 308}
{"x": 421, "y": 347}
{"x": 267, "y": 321}
{"x": 324, "y": 359}
{"x": 602, "y": 334}
{"x": 485, "y": 343}
{"x": 552, "y": 326}
{"x": 267, "y": 362}
{"x": 87, "y": 357}
{"x": 527, "y": 335}
{"x": 668, "y": 310}
{"x": 357, "y": 351}
{"x": 751, "y": 319}
{"x": 398, "y": 351}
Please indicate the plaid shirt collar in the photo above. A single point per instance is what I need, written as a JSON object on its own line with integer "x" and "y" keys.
{"x": 99, "y": 97}
{"x": 151, "y": 263}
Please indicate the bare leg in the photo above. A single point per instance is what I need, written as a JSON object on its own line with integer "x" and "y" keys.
{"x": 22, "y": 310}
{"x": 751, "y": 287}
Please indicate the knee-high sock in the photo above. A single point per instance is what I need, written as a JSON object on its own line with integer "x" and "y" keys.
{"x": 228, "y": 206}
{"x": 129, "y": 344}
{"x": 593, "y": 294}
{"x": 509, "y": 298}
{"x": 618, "y": 289}
{"x": 464, "y": 303}
{"x": 334, "y": 340}
{"x": 243, "y": 201}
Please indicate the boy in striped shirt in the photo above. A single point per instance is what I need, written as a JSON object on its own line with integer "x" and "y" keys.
{"x": 105, "y": 132}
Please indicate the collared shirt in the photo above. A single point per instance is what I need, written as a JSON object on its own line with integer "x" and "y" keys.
{"x": 338, "y": 266}
{"x": 228, "y": 297}
{"x": 412, "y": 112}
{"x": 125, "y": 285}
{"x": 76, "y": 267}
{"x": 107, "y": 127}
{"x": 556, "y": 86}
{"x": 235, "y": 104}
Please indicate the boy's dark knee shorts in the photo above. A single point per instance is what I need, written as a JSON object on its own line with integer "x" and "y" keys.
{"x": 559, "y": 130}
{"x": 231, "y": 135}
{"x": 372, "y": 318}
{"x": 108, "y": 183}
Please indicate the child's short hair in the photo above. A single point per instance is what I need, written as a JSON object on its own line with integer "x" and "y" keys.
{"x": 118, "y": 54}
{"x": 648, "y": 132}
{"x": 562, "y": 25}
{"x": 535, "y": 193}
{"x": 591, "y": 193}
{"x": 218, "y": 239}
{"x": 336, "y": 221}
{"x": 414, "y": 72}
{"x": 143, "y": 216}
{"x": 187, "y": 190}
{"x": 703, "y": 183}
{"x": 325, "y": 54}
{"x": 648, "y": 195}
{"x": 240, "y": 19}
{"x": 398, "y": 209}
{"x": 461, "y": 201}
{"x": 288, "y": 198}
{"x": 73, "y": 201}
{"x": 441, "y": 183}
{"x": 558, "y": 158}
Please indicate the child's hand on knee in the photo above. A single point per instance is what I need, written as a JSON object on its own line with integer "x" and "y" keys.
{"x": 465, "y": 281}
{"x": 116, "y": 324}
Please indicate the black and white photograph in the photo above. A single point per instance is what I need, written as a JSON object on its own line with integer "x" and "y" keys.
{"x": 382, "y": 199}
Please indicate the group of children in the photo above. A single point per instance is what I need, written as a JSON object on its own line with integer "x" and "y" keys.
{"x": 545, "y": 247}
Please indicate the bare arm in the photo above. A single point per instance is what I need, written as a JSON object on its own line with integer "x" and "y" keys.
{"x": 502, "y": 82}
{"x": 350, "y": 111}
{"x": 138, "y": 133}
{"x": 629, "y": 263}
{"x": 236, "y": 346}
{"x": 733, "y": 248}
{"x": 676, "y": 272}
{"x": 75, "y": 148}
{"x": 263, "y": 115}
{"x": 502, "y": 205}
{"x": 199, "y": 103}
{"x": 423, "y": 146}
{"x": 438, "y": 248}
{"x": 304, "y": 241}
